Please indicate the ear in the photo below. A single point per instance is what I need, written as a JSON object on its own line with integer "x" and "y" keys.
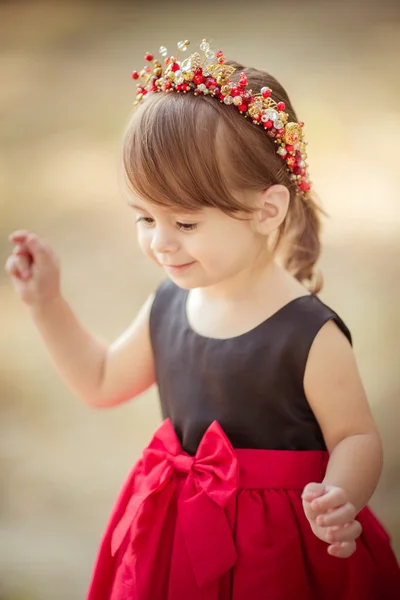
{"x": 272, "y": 206}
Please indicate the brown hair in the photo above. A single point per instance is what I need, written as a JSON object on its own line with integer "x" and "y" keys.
{"x": 195, "y": 152}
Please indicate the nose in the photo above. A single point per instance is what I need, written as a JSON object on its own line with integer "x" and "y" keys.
{"x": 163, "y": 240}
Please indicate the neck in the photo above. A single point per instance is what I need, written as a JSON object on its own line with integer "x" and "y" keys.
{"x": 243, "y": 284}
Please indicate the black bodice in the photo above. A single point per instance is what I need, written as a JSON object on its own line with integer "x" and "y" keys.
{"x": 251, "y": 384}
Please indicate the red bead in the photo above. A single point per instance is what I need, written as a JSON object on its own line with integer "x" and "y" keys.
{"x": 242, "y": 107}
{"x": 304, "y": 186}
{"x": 301, "y": 123}
{"x": 198, "y": 79}
{"x": 218, "y": 54}
{"x": 266, "y": 93}
{"x": 289, "y": 148}
{"x": 135, "y": 75}
{"x": 268, "y": 124}
{"x": 221, "y": 61}
{"x": 148, "y": 56}
{"x": 297, "y": 170}
{"x": 167, "y": 85}
{"x": 281, "y": 106}
{"x": 175, "y": 67}
{"x": 243, "y": 80}
{"x": 210, "y": 82}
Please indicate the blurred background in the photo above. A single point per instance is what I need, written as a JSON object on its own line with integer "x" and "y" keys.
{"x": 65, "y": 96}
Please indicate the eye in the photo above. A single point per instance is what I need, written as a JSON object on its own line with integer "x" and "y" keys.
{"x": 147, "y": 220}
{"x": 187, "y": 226}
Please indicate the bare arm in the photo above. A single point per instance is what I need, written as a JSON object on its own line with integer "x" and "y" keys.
{"x": 337, "y": 396}
{"x": 100, "y": 374}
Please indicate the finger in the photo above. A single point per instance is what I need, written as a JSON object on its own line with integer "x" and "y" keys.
{"x": 342, "y": 549}
{"x": 12, "y": 267}
{"x": 18, "y": 236}
{"x": 18, "y": 266}
{"x": 22, "y": 250}
{"x": 332, "y": 499}
{"x": 347, "y": 533}
{"x": 313, "y": 490}
{"x": 38, "y": 249}
{"x": 339, "y": 516}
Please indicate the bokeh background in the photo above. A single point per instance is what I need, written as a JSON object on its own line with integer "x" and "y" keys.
{"x": 65, "y": 96}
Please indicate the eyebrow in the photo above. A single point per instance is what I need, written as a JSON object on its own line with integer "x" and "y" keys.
{"x": 138, "y": 207}
{"x": 187, "y": 212}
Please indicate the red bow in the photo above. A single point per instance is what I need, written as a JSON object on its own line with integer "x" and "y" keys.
{"x": 212, "y": 480}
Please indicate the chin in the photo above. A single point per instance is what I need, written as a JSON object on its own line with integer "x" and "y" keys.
{"x": 185, "y": 284}
{"x": 192, "y": 282}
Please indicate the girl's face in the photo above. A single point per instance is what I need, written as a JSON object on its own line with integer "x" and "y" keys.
{"x": 197, "y": 249}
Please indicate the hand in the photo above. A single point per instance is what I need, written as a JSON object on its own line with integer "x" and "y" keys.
{"x": 332, "y": 518}
{"x": 34, "y": 269}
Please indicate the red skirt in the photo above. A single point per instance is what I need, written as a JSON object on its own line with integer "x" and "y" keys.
{"x": 228, "y": 524}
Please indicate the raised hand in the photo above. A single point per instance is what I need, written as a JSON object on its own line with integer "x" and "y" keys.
{"x": 34, "y": 269}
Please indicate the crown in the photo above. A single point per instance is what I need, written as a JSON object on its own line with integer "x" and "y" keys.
{"x": 208, "y": 74}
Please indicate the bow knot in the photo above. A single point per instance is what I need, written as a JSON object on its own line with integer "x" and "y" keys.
{"x": 183, "y": 463}
{"x": 211, "y": 482}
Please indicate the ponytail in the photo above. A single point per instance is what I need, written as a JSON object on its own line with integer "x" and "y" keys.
{"x": 300, "y": 242}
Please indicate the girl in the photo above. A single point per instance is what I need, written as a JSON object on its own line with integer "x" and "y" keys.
{"x": 256, "y": 483}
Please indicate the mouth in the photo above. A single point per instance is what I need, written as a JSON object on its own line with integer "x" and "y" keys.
{"x": 178, "y": 268}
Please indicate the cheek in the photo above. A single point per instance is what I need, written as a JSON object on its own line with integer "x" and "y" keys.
{"x": 231, "y": 245}
{"x": 144, "y": 240}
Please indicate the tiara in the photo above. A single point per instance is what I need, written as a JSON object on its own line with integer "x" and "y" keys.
{"x": 209, "y": 75}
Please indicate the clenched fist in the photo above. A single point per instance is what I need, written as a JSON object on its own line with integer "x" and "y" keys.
{"x": 34, "y": 269}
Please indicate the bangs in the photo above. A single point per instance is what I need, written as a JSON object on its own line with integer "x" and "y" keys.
{"x": 182, "y": 150}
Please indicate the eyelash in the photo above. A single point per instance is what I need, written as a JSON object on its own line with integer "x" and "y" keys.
{"x": 181, "y": 226}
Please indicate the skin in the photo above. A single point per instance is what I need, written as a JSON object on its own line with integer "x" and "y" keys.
{"x": 234, "y": 283}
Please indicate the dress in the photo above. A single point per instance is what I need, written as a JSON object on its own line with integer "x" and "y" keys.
{"x": 212, "y": 510}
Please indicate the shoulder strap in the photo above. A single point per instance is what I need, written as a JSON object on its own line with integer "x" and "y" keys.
{"x": 298, "y": 328}
{"x": 165, "y": 310}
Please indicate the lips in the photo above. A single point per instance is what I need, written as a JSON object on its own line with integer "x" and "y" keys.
{"x": 178, "y": 267}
